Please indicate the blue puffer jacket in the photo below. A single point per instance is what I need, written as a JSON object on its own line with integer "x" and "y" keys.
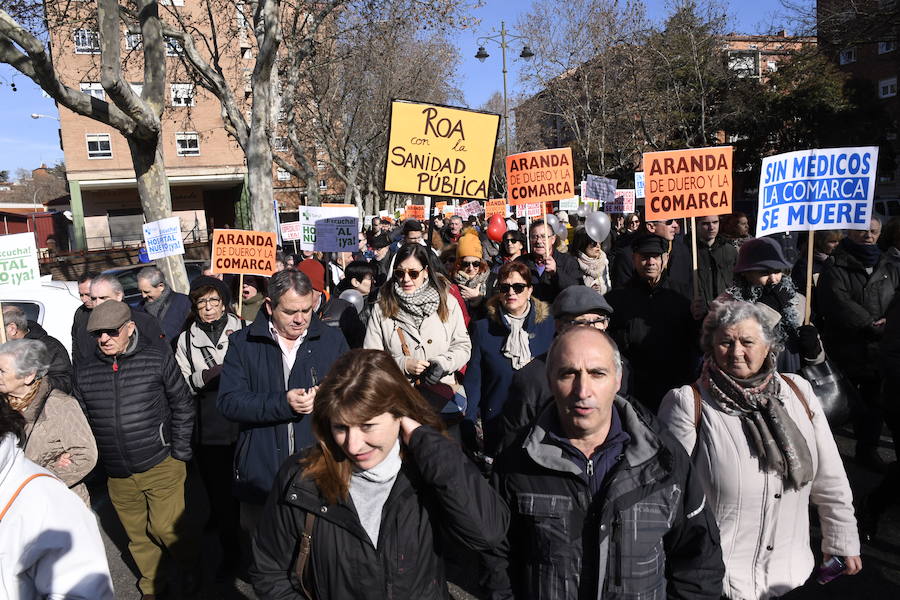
{"x": 252, "y": 393}
{"x": 489, "y": 373}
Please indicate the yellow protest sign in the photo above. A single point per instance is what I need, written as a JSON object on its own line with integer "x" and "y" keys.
{"x": 440, "y": 150}
{"x": 243, "y": 252}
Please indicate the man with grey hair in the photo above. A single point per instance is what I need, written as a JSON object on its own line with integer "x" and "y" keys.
{"x": 106, "y": 287}
{"x": 269, "y": 380}
{"x": 603, "y": 501}
{"x": 168, "y": 307}
{"x": 18, "y": 327}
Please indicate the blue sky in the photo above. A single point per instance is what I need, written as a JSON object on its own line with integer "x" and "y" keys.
{"x": 26, "y": 142}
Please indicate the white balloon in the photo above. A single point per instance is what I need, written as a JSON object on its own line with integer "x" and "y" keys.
{"x": 597, "y": 225}
{"x": 353, "y": 297}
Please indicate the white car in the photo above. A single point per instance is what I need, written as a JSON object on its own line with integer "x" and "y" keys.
{"x": 52, "y": 305}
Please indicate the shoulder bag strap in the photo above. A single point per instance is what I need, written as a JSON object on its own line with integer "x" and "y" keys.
{"x": 403, "y": 345}
{"x": 698, "y": 409}
{"x": 305, "y": 551}
{"x": 799, "y": 395}
{"x": 19, "y": 490}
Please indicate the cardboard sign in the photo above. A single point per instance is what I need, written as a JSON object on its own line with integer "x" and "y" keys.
{"x": 19, "y": 260}
{"x": 293, "y": 230}
{"x": 440, "y": 150}
{"x": 623, "y": 202}
{"x": 528, "y": 210}
{"x": 240, "y": 251}
{"x": 439, "y": 207}
{"x": 539, "y": 176}
{"x": 163, "y": 238}
{"x": 639, "y": 184}
{"x": 569, "y": 204}
{"x": 470, "y": 208}
{"x": 599, "y": 189}
{"x": 329, "y": 229}
{"x": 495, "y": 207}
{"x": 415, "y": 211}
{"x": 688, "y": 183}
{"x": 830, "y": 188}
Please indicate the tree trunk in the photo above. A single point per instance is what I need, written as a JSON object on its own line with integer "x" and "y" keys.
{"x": 156, "y": 201}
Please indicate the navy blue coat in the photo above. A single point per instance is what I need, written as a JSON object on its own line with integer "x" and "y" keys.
{"x": 252, "y": 393}
{"x": 174, "y": 317}
{"x": 489, "y": 373}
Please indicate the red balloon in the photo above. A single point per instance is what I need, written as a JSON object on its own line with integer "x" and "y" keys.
{"x": 497, "y": 218}
{"x": 496, "y": 229}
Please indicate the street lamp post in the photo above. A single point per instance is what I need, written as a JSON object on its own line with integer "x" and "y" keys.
{"x": 502, "y": 40}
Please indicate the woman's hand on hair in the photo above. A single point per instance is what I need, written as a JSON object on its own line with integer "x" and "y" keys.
{"x": 415, "y": 366}
{"x": 301, "y": 400}
{"x": 407, "y": 426}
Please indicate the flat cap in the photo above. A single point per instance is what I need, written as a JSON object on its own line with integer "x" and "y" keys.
{"x": 649, "y": 244}
{"x": 112, "y": 314}
{"x": 579, "y": 300}
{"x": 382, "y": 240}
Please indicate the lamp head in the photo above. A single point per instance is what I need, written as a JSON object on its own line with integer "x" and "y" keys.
{"x": 481, "y": 54}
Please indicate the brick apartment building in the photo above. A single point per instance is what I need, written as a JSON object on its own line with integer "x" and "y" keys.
{"x": 757, "y": 56}
{"x": 205, "y": 167}
{"x": 862, "y": 39}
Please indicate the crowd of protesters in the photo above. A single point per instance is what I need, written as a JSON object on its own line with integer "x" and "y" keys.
{"x": 579, "y": 417}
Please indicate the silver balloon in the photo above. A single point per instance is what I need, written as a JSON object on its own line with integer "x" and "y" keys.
{"x": 353, "y": 297}
{"x": 511, "y": 225}
{"x": 553, "y": 221}
{"x": 561, "y": 231}
{"x": 597, "y": 225}
{"x": 582, "y": 210}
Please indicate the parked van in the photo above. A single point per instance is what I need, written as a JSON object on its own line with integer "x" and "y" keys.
{"x": 52, "y": 304}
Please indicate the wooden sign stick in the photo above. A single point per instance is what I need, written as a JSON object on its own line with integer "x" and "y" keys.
{"x": 809, "y": 278}
{"x": 694, "y": 255}
{"x": 240, "y": 293}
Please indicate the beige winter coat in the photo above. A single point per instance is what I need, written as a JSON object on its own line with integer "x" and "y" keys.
{"x": 447, "y": 343}
{"x": 765, "y": 527}
{"x": 60, "y": 427}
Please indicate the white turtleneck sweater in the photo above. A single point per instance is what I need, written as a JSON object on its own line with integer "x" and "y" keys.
{"x": 370, "y": 490}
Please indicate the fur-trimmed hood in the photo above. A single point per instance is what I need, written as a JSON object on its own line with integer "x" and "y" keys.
{"x": 541, "y": 310}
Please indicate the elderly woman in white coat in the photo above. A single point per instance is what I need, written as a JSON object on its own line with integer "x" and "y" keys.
{"x": 421, "y": 325}
{"x": 764, "y": 450}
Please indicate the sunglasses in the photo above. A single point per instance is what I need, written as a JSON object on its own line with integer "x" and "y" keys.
{"x": 511, "y": 241}
{"x": 516, "y": 287}
{"x": 413, "y": 273}
{"x": 465, "y": 264}
{"x": 110, "y": 332}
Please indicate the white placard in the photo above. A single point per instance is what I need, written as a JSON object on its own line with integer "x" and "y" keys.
{"x": 163, "y": 238}
{"x": 19, "y": 260}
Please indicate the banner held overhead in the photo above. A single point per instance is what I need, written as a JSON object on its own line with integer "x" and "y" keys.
{"x": 243, "y": 252}
{"x": 539, "y": 176}
{"x": 440, "y": 150}
{"x": 688, "y": 183}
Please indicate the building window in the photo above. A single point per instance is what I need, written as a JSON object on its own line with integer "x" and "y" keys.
{"x": 182, "y": 94}
{"x": 242, "y": 15}
{"x": 188, "y": 143}
{"x": 137, "y": 88}
{"x": 283, "y": 175}
{"x": 885, "y": 47}
{"x": 87, "y": 41}
{"x": 94, "y": 89}
{"x": 323, "y": 184}
{"x": 320, "y": 165}
{"x": 133, "y": 41}
{"x": 847, "y": 56}
{"x": 744, "y": 64}
{"x": 173, "y": 47}
{"x": 887, "y": 88}
{"x": 280, "y": 144}
{"x": 772, "y": 66}
{"x": 98, "y": 145}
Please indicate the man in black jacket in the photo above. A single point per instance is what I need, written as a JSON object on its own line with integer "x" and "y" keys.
{"x": 653, "y": 324}
{"x": 142, "y": 416}
{"x": 551, "y": 270}
{"x": 678, "y": 267}
{"x": 604, "y": 502}
{"x": 18, "y": 327}
{"x": 715, "y": 264}
{"x": 83, "y": 312}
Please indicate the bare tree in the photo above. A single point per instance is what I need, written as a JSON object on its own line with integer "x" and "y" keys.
{"x": 136, "y": 117}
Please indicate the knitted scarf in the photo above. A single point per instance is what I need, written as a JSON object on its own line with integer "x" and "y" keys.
{"x": 516, "y": 347}
{"x": 772, "y": 434}
{"x": 158, "y": 306}
{"x": 479, "y": 282}
{"x": 783, "y": 297}
{"x": 867, "y": 254}
{"x": 419, "y": 303}
{"x": 595, "y": 271}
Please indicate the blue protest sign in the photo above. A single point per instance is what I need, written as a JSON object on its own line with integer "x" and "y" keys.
{"x": 828, "y": 188}
{"x": 639, "y": 184}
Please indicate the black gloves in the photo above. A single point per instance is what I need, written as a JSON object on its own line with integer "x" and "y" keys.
{"x": 433, "y": 374}
{"x": 777, "y": 296}
{"x": 809, "y": 344}
{"x": 210, "y": 374}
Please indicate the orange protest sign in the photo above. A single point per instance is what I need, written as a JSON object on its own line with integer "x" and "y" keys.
{"x": 495, "y": 207}
{"x": 415, "y": 211}
{"x": 243, "y": 252}
{"x": 439, "y": 207}
{"x": 688, "y": 183}
{"x": 539, "y": 176}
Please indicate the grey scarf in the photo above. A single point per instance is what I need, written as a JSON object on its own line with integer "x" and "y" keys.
{"x": 772, "y": 434}
{"x": 418, "y": 304}
{"x": 158, "y": 307}
{"x": 516, "y": 346}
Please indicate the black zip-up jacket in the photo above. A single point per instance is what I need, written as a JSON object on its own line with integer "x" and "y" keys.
{"x": 547, "y": 286}
{"x": 138, "y": 406}
{"x": 646, "y": 534}
{"x": 439, "y": 498}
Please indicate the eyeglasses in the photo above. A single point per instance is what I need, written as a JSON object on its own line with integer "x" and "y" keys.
{"x": 210, "y": 302}
{"x": 669, "y": 221}
{"x": 465, "y": 264}
{"x": 413, "y": 273}
{"x": 518, "y": 288}
{"x": 110, "y": 332}
{"x": 595, "y": 322}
